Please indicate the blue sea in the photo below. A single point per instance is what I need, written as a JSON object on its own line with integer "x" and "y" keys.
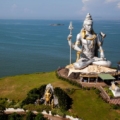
{"x": 30, "y": 46}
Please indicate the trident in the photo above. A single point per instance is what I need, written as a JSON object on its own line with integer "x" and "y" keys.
{"x": 70, "y": 28}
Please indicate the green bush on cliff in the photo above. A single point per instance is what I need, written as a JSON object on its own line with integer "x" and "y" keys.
{"x": 33, "y": 95}
{"x": 64, "y": 100}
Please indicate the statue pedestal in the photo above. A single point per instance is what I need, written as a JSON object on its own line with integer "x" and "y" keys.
{"x": 91, "y": 69}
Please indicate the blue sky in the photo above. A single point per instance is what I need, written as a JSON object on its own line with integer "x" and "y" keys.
{"x": 59, "y": 9}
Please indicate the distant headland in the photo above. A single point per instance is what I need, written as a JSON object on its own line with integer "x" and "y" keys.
{"x": 58, "y": 24}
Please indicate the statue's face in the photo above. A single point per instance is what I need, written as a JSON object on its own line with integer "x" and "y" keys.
{"x": 88, "y": 26}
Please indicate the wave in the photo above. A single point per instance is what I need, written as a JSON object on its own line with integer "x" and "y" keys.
{"x": 10, "y": 23}
{"x": 34, "y": 34}
{"x": 26, "y": 24}
{"x": 114, "y": 33}
{"x": 107, "y": 26}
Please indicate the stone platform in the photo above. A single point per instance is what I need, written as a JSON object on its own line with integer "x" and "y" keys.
{"x": 91, "y": 69}
{"x": 90, "y": 73}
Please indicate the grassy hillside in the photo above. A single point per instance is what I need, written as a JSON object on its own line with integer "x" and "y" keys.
{"x": 87, "y": 104}
{"x": 16, "y": 87}
{"x": 91, "y": 107}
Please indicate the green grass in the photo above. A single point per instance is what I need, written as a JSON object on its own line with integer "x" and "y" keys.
{"x": 17, "y": 87}
{"x": 86, "y": 103}
{"x": 91, "y": 107}
{"x": 108, "y": 91}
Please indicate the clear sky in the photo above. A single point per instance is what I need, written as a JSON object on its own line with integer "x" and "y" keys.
{"x": 59, "y": 9}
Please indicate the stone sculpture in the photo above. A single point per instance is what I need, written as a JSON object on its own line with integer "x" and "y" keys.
{"x": 49, "y": 97}
{"x": 115, "y": 89}
{"x": 90, "y": 43}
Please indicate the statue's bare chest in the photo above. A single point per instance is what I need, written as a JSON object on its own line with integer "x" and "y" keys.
{"x": 86, "y": 42}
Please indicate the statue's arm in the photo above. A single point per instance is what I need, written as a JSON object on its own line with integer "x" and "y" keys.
{"x": 77, "y": 43}
{"x": 102, "y": 55}
{"x": 99, "y": 43}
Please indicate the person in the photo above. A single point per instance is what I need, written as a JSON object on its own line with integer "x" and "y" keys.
{"x": 89, "y": 43}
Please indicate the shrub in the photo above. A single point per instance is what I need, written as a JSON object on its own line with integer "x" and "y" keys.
{"x": 63, "y": 99}
{"x": 40, "y": 117}
{"x": 29, "y": 99}
{"x": 15, "y": 116}
{"x": 33, "y": 95}
{"x": 73, "y": 82}
{"x": 41, "y": 90}
{"x": 3, "y": 117}
{"x": 53, "y": 112}
{"x": 38, "y": 108}
{"x": 2, "y": 108}
{"x": 97, "y": 91}
{"x": 116, "y": 106}
{"x": 61, "y": 113}
{"x": 30, "y": 116}
{"x": 109, "y": 92}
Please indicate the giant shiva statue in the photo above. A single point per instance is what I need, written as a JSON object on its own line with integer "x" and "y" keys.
{"x": 89, "y": 43}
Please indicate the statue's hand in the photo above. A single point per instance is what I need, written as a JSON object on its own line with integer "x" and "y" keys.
{"x": 69, "y": 37}
{"x": 102, "y": 55}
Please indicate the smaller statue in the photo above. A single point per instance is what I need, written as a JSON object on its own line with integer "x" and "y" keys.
{"x": 115, "y": 89}
{"x": 113, "y": 86}
{"x": 48, "y": 96}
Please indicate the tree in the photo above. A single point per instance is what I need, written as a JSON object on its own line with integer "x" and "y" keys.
{"x": 2, "y": 108}
{"x": 30, "y": 116}
{"x": 64, "y": 100}
{"x": 2, "y": 115}
{"x": 40, "y": 117}
{"x": 15, "y": 116}
{"x": 33, "y": 95}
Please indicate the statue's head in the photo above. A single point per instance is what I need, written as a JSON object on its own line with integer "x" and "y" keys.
{"x": 88, "y": 23}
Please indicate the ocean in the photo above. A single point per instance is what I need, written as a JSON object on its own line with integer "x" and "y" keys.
{"x": 31, "y": 46}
